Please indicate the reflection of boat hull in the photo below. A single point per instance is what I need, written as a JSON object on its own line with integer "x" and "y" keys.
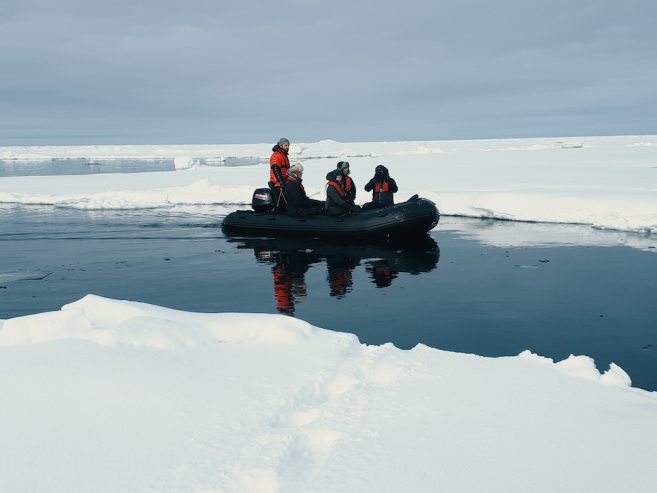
{"x": 408, "y": 218}
{"x": 421, "y": 254}
{"x": 292, "y": 257}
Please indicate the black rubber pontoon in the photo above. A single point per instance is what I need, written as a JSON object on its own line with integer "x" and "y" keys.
{"x": 413, "y": 217}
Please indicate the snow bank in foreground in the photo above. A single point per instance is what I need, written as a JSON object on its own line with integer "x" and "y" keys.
{"x": 110, "y": 395}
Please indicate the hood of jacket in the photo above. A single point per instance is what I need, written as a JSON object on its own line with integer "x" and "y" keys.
{"x": 332, "y": 175}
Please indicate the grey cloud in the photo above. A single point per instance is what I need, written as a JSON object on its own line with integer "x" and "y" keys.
{"x": 208, "y": 71}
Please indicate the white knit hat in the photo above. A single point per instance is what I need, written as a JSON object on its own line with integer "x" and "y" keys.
{"x": 296, "y": 169}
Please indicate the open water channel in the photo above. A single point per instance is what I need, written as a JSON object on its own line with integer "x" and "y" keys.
{"x": 486, "y": 287}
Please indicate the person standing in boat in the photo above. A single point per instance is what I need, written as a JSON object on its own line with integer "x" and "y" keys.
{"x": 336, "y": 197}
{"x": 297, "y": 202}
{"x": 347, "y": 182}
{"x": 382, "y": 187}
{"x": 279, "y": 163}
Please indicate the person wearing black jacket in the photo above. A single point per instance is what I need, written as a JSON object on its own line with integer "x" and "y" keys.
{"x": 382, "y": 187}
{"x": 298, "y": 203}
{"x": 336, "y": 198}
{"x": 347, "y": 182}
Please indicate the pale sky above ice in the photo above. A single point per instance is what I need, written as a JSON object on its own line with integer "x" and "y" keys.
{"x": 79, "y": 72}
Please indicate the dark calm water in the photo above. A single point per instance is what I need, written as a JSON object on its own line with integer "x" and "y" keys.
{"x": 449, "y": 292}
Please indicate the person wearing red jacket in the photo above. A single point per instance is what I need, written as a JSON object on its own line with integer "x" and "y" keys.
{"x": 279, "y": 163}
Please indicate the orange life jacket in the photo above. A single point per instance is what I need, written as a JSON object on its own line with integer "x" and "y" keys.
{"x": 279, "y": 158}
{"x": 337, "y": 186}
{"x": 382, "y": 187}
{"x": 348, "y": 183}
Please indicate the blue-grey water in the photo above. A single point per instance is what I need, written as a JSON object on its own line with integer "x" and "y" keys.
{"x": 451, "y": 292}
{"x": 89, "y": 166}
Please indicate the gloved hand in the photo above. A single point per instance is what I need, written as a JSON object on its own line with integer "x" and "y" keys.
{"x": 278, "y": 174}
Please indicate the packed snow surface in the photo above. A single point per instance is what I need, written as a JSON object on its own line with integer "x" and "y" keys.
{"x": 606, "y": 182}
{"x": 107, "y": 395}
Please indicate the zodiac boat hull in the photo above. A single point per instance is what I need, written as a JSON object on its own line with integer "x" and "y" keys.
{"x": 413, "y": 217}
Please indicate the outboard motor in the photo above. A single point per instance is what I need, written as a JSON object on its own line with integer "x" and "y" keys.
{"x": 262, "y": 200}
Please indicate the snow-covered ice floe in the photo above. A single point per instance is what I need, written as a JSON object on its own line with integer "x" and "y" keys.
{"x": 513, "y": 234}
{"x": 606, "y": 182}
{"x": 108, "y": 395}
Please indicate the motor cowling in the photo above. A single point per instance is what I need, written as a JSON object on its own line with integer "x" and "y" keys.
{"x": 262, "y": 200}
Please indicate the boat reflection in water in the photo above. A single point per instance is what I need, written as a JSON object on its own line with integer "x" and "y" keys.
{"x": 291, "y": 258}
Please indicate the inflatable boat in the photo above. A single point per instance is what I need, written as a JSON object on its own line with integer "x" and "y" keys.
{"x": 416, "y": 216}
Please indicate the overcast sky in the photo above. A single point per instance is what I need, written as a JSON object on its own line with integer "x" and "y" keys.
{"x": 174, "y": 72}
